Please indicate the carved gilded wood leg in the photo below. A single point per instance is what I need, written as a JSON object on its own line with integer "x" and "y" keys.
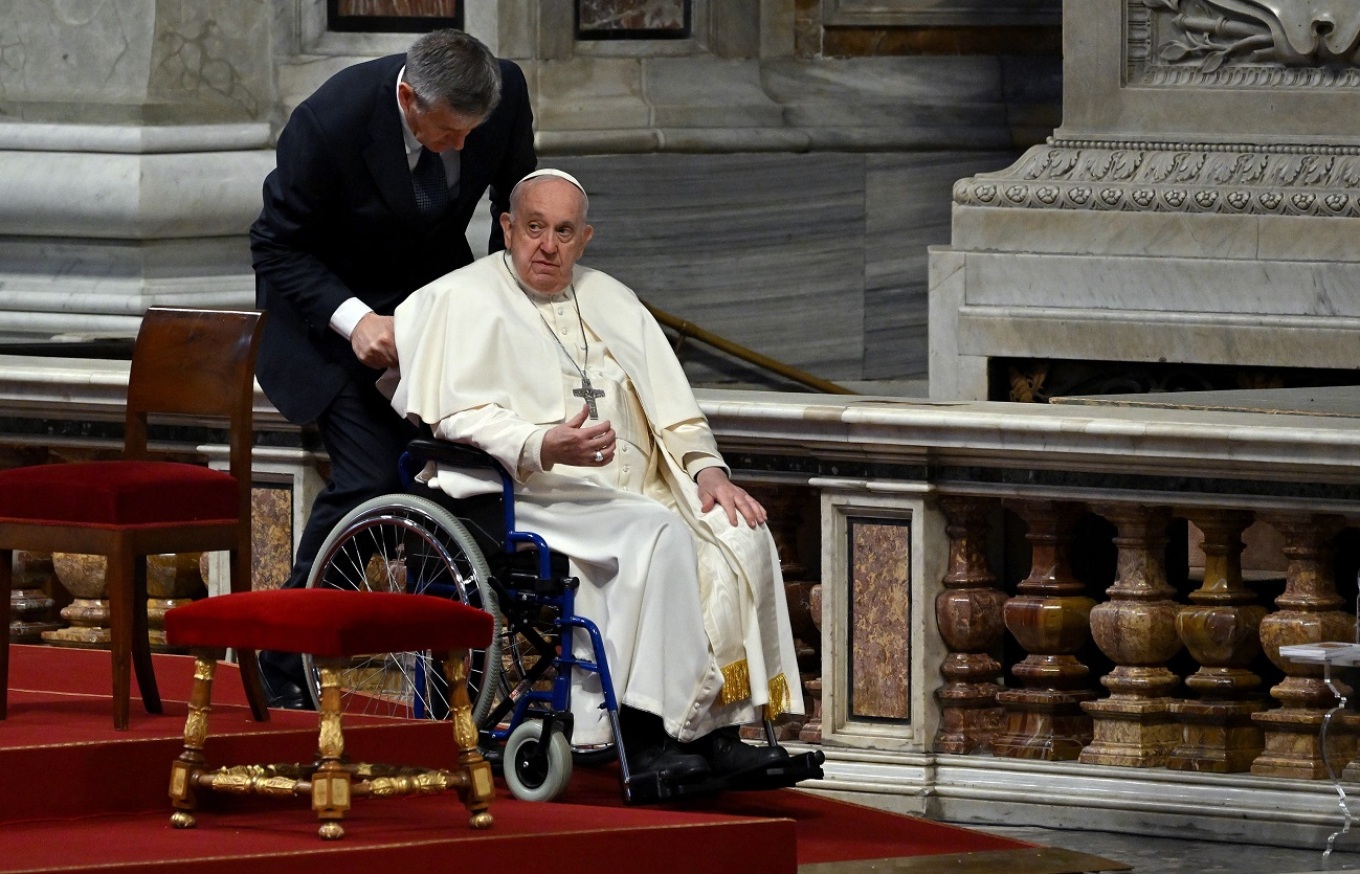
{"x": 1136, "y": 628}
{"x": 1309, "y": 612}
{"x": 1050, "y": 618}
{"x": 476, "y": 788}
{"x": 1221, "y": 630}
{"x": 970, "y": 616}
{"x": 185, "y": 770}
{"x": 331, "y": 781}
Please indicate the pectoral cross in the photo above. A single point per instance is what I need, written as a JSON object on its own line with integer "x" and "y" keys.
{"x": 589, "y": 393}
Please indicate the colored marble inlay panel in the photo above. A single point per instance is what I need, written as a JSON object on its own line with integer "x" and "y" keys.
{"x": 271, "y": 519}
{"x": 631, "y": 15}
{"x": 399, "y": 8}
{"x": 880, "y": 619}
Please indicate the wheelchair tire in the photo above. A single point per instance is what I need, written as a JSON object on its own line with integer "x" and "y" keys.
{"x": 530, "y": 782}
{"x": 407, "y": 543}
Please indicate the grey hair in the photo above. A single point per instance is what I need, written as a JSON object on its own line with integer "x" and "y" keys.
{"x": 455, "y": 69}
{"x": 523, "y": 185}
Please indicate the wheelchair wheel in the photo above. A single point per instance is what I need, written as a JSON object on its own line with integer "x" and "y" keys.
{"x": 532, "y": 780}
{"x": 407, "y": 543}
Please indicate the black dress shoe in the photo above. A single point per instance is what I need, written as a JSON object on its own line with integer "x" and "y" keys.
{"x": 728, "y": 754}
{"x": 281, "y": 690}
{"x": 648, "y": 749}
{"x": 669, "y": 761}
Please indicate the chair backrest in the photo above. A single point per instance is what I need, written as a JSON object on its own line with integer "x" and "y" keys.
{"x": 198, "y": 363}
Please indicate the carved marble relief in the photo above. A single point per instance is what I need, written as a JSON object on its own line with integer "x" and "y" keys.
{"x": 1150, "y": 177}
{"x": 1243, "y": 43}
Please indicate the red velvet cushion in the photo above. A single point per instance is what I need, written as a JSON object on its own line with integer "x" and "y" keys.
{"x": 328, "y": 622}
{"x": 117, "y": 493}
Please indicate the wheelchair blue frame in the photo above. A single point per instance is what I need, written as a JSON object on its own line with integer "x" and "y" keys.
{"x": 553, "y": 705}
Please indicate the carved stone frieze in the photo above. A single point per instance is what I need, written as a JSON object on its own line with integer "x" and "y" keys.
{"x": 1245, "y": 43}
{"x": 1170, "y": 177}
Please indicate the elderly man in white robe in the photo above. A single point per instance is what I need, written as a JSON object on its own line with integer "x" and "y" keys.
{"x": 562, "y": 375}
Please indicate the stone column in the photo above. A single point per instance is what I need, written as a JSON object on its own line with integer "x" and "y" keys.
{"x": 1220, "y": 628}
{"x": 970, "y": 616}
{"x": 1309, "y": 612}
{"x": 1050, "y": 617}
{"x": 31, "y": 609}
{"x": 1136, "y": 628}
{"x": 133, "y": 140}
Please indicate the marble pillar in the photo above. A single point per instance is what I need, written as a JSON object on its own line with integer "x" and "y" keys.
{"x": 133, "y": 138}
{"x": 1050, "y": 618}
{"x": 1221, "y": 629}
{"x": 1310, "y": 611}
{"x": 970, "y": 616}
{"x": 1136, "y": 628}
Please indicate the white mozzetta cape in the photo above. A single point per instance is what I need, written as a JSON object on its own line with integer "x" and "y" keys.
{"x": 459, "y": 337}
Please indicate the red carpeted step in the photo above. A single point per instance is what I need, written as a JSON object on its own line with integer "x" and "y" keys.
{"x": 77, "y": 793}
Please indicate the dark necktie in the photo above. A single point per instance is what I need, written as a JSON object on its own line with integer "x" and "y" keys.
{"x": 431, "y": 187}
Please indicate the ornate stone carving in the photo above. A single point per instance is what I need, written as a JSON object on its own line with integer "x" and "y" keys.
{"x": 1249, "y": 42}
{"x": 1171, "y": 177}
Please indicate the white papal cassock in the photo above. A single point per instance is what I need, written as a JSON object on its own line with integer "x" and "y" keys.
{"x": 691, "y": 608}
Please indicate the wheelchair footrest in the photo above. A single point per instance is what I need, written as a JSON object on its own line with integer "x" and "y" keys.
{"x": 653, "y": 788}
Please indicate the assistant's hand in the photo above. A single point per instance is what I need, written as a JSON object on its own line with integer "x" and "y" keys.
{"x": 375, "y": 341}
{"x": 571, "y": 443}
{"x": 716, "y": 489}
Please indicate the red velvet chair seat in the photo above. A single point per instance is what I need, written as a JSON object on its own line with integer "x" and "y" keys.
{"x": 118, "y": 493}
{"x": 328, "y": 622}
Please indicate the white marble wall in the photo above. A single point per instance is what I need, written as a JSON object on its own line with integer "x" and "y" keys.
{"x": 785, "y": 204}
{"x": 1184, "y": 214}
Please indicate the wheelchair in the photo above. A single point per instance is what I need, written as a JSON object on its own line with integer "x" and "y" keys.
{"x": 519, "y": 685}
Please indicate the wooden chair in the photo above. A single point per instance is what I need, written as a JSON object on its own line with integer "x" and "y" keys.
{"x": 333, "y": 625}
{"x": 185, "y": 363}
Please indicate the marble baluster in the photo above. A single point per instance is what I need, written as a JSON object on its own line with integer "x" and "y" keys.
{"x": 32, "y": 610}
{"x": 87, "y": 616}
{"x": 811, "y": 731}
{"x": 1136, "y": 628}
{"x": 1050, "y": 618}
{"x": 1220, "y": 628}
{"x": 172, "y": 579}
{"x": 1309, "y": 612}
{"x": 970, "y": 616}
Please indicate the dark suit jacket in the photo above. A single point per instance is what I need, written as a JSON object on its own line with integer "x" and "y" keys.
{"x": 340, "y": 221}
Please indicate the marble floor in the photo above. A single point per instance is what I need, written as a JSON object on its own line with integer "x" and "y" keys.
{"x": 1149, "y": 855}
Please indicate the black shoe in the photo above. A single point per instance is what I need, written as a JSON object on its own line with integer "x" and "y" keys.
{"x": 669, "y": 761}
{"x": 728, "y": 754}
{"x": 283, "y": 688}
{"x": 648, "y": 749}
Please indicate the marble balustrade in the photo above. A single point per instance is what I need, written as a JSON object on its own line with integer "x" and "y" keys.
{"x": 1062, "y": 615}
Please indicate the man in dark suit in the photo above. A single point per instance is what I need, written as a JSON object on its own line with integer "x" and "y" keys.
{"x": 378, "y": 174}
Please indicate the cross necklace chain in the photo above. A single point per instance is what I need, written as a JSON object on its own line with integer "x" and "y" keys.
{"x": 586, "y": 392}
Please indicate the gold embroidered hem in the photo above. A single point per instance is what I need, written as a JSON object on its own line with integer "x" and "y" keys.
{"x": 780, "y": 700}
{"x": 736, "y": 683}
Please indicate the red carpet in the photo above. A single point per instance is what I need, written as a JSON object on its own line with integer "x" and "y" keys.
{"x": 79, "y": 796}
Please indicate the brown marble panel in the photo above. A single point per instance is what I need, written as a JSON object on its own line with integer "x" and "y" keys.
{"x": 624, "y": 15}
{"x": 399, "y": 8}
{"x": 272, "y": 535}
{"x": 865, "y": 42}
{"x": 880, "y": 619}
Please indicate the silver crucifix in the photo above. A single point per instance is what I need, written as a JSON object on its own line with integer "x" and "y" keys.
{"x": 589, "y": 394}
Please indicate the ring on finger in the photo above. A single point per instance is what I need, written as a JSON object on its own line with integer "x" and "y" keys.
{"x": 599, "y": 456}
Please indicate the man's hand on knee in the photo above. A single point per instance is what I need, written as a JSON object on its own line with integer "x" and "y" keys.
{"x": 715, "y": 489}
{"x": 374, "y": 341}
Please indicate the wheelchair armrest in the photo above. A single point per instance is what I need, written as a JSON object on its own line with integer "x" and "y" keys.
{"x": 453, "y": 454}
